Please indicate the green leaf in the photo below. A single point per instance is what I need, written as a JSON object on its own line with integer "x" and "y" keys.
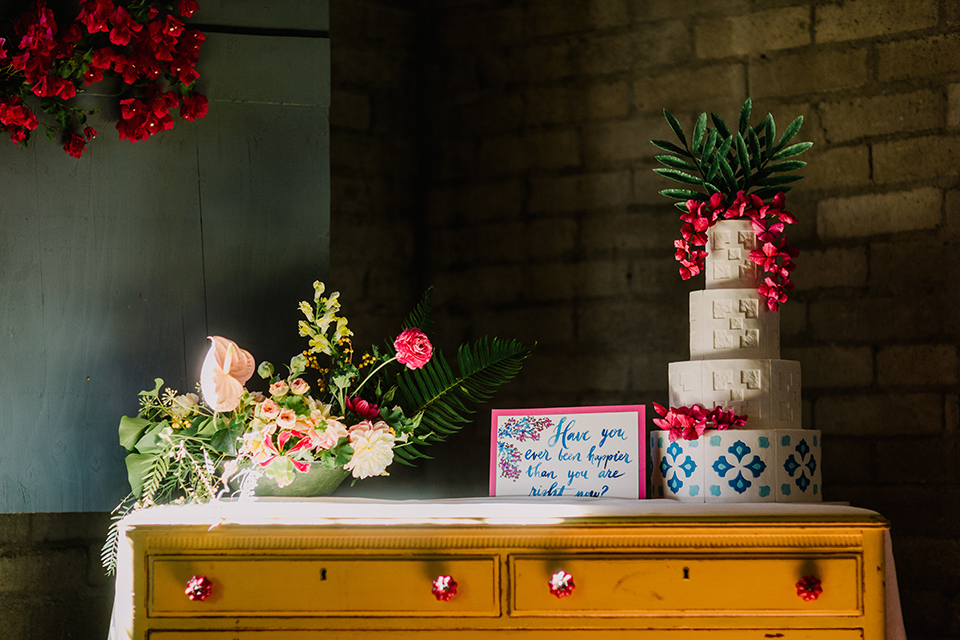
{"x": 677, "y": 129}
{"x": 148, "y": 442}
{"x": 744, "y": 162}
{"x": 724, "y": 149}
{"x": 298, "y": 364}
{"x": 698, "y": 131}
{"x": 205, "y": 426}
{"x": 684, "y": 194}
{"x": 131, "y": 430}
{"x": 265, "y": 370}
{"x": 769, "y": 134}
{"x": 714, "y": 167}
{"x": 787, "y": 165}
{"x": 792, "y": 129}
{"x": 679, "y": 176}
{"x": 720, "y": 125}
{"x": 710, "y": 144}
{"x": 443, "y": 397}
{"x": 225, "y": 440}
{"x": 675, "y": 162}
{"x": 754, "y": 147}
{"x": 419, "y": 318}
{"x": 672, "y": 148}
{"x": 745, "y": 116}
{"x": 155, "y": 392}
{"x": 728, "y": 177}
{"x": 139, "y": 466}
{"x": 792, "y": 150}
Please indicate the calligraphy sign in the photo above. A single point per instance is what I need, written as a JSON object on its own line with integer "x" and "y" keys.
{"x": 594, "y": 452}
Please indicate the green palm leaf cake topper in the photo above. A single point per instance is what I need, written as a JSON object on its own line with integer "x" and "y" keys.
{"x": 739, "y": 174}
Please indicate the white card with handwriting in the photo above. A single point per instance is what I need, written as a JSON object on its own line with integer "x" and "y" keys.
{"x": 591, "y": 452}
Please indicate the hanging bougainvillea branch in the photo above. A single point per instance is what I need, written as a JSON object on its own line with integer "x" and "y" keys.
{"x": 47, "y": 59}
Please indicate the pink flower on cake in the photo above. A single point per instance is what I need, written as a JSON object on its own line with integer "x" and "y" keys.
{"x": 225, "y": 370}
{"x": 413, "y": 348}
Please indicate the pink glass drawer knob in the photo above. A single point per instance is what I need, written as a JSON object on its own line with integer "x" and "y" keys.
{"x": 809, "y": 588}
{"x": 561, "y": 584}
{"x": 199, "y": 588}
{"x": 444, "y": 588}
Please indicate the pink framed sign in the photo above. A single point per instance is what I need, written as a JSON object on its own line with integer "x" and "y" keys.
{"x": 570, "y": 452}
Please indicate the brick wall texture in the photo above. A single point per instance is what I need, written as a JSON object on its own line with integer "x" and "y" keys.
{"x": 499, "y": 151}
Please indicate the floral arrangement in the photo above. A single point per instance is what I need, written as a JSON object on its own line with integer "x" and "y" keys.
{"x": 724, "y": 166}
{"x": 325, "y": 410}
{"x": 140, "y": 41}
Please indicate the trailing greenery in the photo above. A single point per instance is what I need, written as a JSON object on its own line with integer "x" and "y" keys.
{"x": 718, "y": 160}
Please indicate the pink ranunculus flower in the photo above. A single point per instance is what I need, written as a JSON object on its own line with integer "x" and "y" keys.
{"x": 225, "y": 370}
{"x": 413, "y": 348}
{"x": 279, "y": 389}
{"x": 299, "y": 387}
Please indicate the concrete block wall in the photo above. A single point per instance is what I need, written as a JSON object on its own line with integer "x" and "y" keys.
{"x": 52, "y": 585}
{"x": 543, "y": 222}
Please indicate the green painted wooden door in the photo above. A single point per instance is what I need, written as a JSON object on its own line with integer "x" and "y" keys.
{"x": 114, "y": 268}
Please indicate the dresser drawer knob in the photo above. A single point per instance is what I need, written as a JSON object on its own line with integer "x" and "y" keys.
{"x": 561, "y": 584}
{"x": 444, "y": 588}
{"x": 809, "y": 588}
{"x": 199, "y": 588}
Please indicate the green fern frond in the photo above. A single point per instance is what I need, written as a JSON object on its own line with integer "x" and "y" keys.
{"x": 443, "y": 396}
{"x": 419, "y": 318}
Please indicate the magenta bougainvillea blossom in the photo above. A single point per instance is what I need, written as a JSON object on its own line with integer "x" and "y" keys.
{"x": 144, "y": 43}
{"x": 689, "y": 423}
{"x": 774, "y": 256}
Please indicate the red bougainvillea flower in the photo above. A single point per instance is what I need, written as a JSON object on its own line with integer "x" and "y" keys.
{"x": 16, "y": 114}
{"x": 195, "y": 105}
{"x": 123, "y": 27}
{"x": 724, "y": 419}
{"x": 773, "y": 292}
{"x": 89, "y": 133}
{"x": 187, "y": 7}
{"x": 413, "y": 348}
{"x": 75, "y": 145}
{"x": 94, "y": 14}
{"x": 366, "y": 410}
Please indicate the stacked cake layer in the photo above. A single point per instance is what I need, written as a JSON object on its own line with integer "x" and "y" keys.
{"x": 735, "y": 364}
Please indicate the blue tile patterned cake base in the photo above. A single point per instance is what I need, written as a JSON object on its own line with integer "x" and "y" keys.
{"x": 742, "y": 465}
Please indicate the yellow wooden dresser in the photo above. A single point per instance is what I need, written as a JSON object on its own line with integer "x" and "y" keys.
{"x": 328, "y": 569}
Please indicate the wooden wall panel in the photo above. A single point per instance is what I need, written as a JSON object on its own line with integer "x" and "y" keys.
{"x": 114, "y": 268}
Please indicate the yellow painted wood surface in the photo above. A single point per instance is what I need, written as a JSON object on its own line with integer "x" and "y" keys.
{"x": 641, "y": 578}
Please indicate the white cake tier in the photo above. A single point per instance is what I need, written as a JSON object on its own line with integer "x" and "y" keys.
{"x": 747, "y": 465}
{"x": 732, "y": 323}
{"x": 728, "y": 266}
{"x": 767, "y": 391}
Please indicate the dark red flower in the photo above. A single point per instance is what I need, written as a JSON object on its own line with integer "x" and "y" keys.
{"x": 195, "y": 105}
{"x": 364, "y": 409}
{"x": 187, "y": 7}
{"x": 89, "y": 133}
{"x": 94, "y": 14}
{"x": 75, "y": 145}
{"x": 123, "y": 27}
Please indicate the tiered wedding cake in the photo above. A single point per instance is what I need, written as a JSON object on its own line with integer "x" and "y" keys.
{"x": 734, "y": 365}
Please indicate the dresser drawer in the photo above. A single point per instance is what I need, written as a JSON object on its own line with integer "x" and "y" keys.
{"x": 316, "y": 586}
{"x": 521, "y": 634}
{"x": 694, "y": 586}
